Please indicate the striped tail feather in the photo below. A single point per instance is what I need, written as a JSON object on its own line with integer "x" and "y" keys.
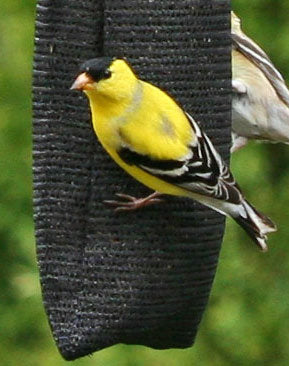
{"x": 256, "y": 224}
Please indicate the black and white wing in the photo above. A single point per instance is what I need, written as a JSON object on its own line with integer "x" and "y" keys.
{"x": 202, "y": 171}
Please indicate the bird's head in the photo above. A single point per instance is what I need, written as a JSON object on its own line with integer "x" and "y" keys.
{"x": 109, "y": 77}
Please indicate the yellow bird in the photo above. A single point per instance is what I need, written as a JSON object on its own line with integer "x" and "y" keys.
{"x": 260, "y": 107}
{"x": 148, "y": 134}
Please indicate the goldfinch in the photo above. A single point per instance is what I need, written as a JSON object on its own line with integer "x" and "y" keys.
{"x": 148, "y": 134}
{"x": 260, "y": 106}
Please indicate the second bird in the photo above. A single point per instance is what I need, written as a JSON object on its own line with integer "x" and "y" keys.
{"x": 148, "y": 134}
{"x": 260, "y": 106}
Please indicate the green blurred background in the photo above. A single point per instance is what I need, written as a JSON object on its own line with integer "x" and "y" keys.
{"x": 247, "y": 320}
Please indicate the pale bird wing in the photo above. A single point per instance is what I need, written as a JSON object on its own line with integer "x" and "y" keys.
{"x": 256, "y": 55}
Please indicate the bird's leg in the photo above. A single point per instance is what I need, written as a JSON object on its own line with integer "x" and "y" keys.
{"x": 131, "y": 203}
{"x": 238, "y": 143}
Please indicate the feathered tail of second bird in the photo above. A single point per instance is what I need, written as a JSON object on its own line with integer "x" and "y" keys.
{"x": 256, "y": 224}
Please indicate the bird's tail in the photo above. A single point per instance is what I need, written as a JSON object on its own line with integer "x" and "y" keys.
{"x": 256, "y": 224}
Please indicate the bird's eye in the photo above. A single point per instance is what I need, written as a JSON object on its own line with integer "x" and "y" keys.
{"x": 107, "y": 74}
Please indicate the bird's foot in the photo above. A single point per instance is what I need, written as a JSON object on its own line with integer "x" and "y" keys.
{"x": 131, "y": 203}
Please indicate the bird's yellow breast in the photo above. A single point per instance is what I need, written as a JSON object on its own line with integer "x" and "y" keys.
{"x": 150, "y": 123}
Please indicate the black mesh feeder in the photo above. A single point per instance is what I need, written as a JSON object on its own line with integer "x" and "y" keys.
{"x": 141, "y": 277}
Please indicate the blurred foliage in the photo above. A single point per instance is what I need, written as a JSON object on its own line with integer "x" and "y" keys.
{"x": 247, "y": 320}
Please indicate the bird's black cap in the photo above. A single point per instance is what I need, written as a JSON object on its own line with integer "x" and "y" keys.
{"x": 97, "y": 68}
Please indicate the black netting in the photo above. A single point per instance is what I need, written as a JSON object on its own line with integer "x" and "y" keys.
{"x": 143, "y": 277}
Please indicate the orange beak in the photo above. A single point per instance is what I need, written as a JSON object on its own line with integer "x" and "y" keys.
{"x": 82, "y": 82}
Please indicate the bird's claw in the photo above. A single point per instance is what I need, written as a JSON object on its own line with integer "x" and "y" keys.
{"x": 132, "y": 203}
